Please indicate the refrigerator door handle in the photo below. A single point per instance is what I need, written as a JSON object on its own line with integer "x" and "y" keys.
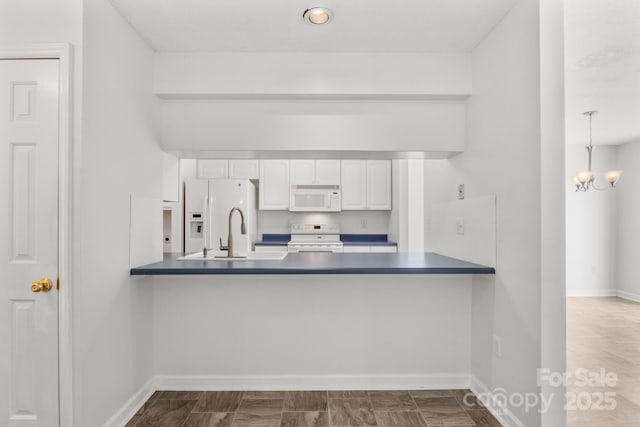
{"x": 210, "y": 219}
{"x": 206, "y": 223}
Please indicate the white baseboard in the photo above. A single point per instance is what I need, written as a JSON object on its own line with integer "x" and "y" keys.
{"x": 591, "y": 293}
{"x": 629, "y": 295}
{"x": 604, "y": 293}
{"x": 314, "y": 382}
{"x": 131, "y": 406}
{"x": 502, "y": 414}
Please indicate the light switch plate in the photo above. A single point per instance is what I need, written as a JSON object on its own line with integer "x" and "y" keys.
{"x": 461, "y": 192}
{"x": 460, "y": 226}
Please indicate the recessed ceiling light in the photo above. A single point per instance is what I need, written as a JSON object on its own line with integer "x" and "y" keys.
{"x": 317, "y": 15}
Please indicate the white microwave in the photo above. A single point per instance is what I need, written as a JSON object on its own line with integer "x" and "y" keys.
{"x": 315, "y": 198}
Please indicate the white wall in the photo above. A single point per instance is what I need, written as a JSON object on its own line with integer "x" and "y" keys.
{"x": 476, "y": 242}
{"x": 407, "y": 217}
{"x": 590, "y": 225}
{"x": 502, "y": 157}
{"x": 313, "y": 329}
{"x": 552, "y": 207}
{"x": 627, "y": 212}
{"x": 113, "y": 312}
{"x": 351, "y": 222}
{"x": 255, "y": 74}
{"x": 24, "y": 22}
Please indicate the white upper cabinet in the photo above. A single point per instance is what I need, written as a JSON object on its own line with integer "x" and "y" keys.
{"x": 366, "y": 184}
{"x": 274, "y": 185}
{"x": 244, "y": 169}
{"x": 303, "y": 172}
{"x": 379, "y": 184}
{"x": 223, "y": 169}
{"x": 328, "y": 172}
{"x": 213, "y": 169}
{"x": 315, "y": 172}
{"x": 354, "y": 184}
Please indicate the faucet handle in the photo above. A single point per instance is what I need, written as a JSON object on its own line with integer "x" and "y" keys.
{"x": 223, "y": 247}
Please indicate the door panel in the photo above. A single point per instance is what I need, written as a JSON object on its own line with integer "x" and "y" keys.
{"x": 303, "y": 172}
{"x": 28, "y": 242}
{"x": 354, "y": 185}
{"x": 328, "y": 172}
{"x": 274, "y": 185}
{"x": 244, "y": 169}
{"x": 379, "y": 184}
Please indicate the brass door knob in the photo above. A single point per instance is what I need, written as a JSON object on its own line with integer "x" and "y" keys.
{"x": 42, "y": 285}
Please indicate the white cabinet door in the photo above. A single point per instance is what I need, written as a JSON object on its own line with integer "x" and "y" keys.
{"x": 354, "y": 184}
{"x": 244, "y": 169}
{"x": 274, "y": 185}
{"x": 303, "y": 172}
{"x": 379, "y": 184}
{"x": 327, "y": 172}
{"x": 213, "y": 169}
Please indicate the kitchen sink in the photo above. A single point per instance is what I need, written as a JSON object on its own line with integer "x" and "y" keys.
{"x": 222, "y": 256}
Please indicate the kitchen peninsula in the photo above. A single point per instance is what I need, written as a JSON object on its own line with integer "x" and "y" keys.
{"x": 319, "y": 263}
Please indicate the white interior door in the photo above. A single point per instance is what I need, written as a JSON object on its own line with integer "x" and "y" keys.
{"x": 29, "y": 93}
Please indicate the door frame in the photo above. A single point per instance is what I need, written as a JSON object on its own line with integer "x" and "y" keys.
{"x": 63, "y": 52}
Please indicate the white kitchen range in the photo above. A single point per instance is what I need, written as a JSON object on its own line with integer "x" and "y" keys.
{"x": 315, "y": 238}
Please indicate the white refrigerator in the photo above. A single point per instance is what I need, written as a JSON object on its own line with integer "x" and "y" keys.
{"x": 207, "y": 207}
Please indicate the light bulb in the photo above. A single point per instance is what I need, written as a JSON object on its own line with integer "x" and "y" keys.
{"x": 612, "y": 177}
{"x": 317, "y": 15}
{"x": 575, "y": 181}
{"x": 584, "y": 176}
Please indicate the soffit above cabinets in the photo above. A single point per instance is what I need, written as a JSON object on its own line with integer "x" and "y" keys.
{"x": 277, "y": 25}
{"x": 272, "y": 127}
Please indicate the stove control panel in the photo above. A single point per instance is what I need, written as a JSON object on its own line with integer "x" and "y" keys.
{"x": 315, "y": 228}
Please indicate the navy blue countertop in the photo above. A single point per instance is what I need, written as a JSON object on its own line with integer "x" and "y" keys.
{"x": 320, "y": 263}
{"x": 274, "y": 240}
{"x": 366, "y": 240}
{"x": 347, "y": 240}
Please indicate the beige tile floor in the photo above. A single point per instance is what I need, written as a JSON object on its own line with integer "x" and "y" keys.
{"x": 421, "y": 408}
{"x": 604, "y": 333}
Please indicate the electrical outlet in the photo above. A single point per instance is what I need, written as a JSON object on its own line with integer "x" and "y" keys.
{"x": 461, "y": 191}
{"x": 460, "y": 226}
{"x": 363, "y": 223}
{"x": 497, "y": 346}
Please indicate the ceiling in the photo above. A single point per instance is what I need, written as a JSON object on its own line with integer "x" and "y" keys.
{"x": 602, "y": 55}
{"x": 277, "y": 25}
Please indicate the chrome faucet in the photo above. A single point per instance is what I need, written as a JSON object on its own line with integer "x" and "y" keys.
{"x": 243, "y": 229}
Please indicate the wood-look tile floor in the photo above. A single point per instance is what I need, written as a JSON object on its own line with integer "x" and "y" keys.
{"x": 420, "y": 408}
{"x": 604, "y": 333}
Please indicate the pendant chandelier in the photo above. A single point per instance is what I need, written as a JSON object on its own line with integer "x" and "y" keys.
{"x": 585, "y": 180}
